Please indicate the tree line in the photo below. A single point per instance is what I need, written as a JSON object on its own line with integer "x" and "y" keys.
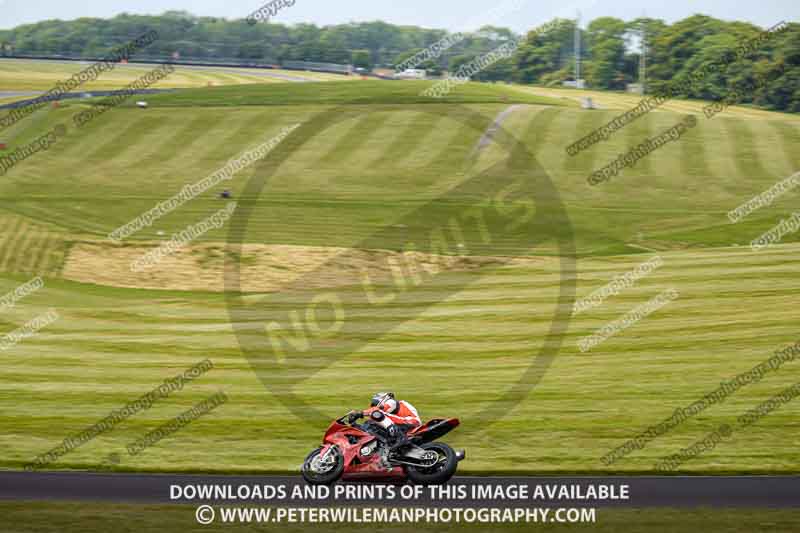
{"x": 611, "y": 50}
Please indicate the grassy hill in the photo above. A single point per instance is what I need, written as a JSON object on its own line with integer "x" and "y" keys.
{"x": 387, "y": 158}
{"x": 455, "y": 343}
{"x": 30, "y": 75}
{"x": 624, "y": 101}
{"x": 351, "y": 92}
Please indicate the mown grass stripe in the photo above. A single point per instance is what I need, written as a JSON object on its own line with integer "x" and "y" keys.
{"x": 57, "y": 258}
{"x": 404, "y": 141}
{"x": 81, "y": 141}
{"x": 581, "y": 124}
{"x": 421, "y": 136}
{"x": 635, "y": 134}
{"x": 34, "y": 248}
{"x": 40, "y": 257}
{"x": 789, "y": 135}
{"x": 747, "y": 158}
{"x": 18, "y": 247}
{"x": 693, "y": 154}
{"x": 10, "y": 242}
{"x": 185, "y": 138}
{"x": 126, "y": 138}
{"x": 354, "y": 138}
{"x": 456, "y": 148}
{"x": 537, "y": 130}
{"x": 767, "y": 143}
{"x": 52, "y": 260}
{"x": 250, "y": 132}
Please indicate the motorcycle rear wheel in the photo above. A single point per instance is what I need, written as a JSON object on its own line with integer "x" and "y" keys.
{"x": 438, "y": 474}
{"x": 331, "y": 473}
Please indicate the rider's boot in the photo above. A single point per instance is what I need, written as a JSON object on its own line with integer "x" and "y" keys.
{"x": 400, "y": 440}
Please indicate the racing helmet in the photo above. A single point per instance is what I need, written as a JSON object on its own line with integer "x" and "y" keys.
{"x": 385, "y": 401}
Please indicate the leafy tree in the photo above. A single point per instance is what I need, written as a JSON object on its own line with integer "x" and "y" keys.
{"x": 457, "y": 61}
{"x": 769, "y": 76}
{"x": 544, "y": 52}
{"x": 676, "y": 45}
{"x": 362, "y": 59}
{"x": 606, "y": 66}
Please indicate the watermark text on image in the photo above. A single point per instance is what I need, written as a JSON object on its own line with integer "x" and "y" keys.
{"x": 268, "y": 10}
{"x": 628, "y": 320}
{"x": 40, "y": 144}
{"x": 117, "y": 416}
{"x": 409, "y": 269}
{"x": 620, "y": 282}
{"x": 183, "y": 238}
{"x": 765, "y": 199}
{"x": 719, "y": 395}
{"x": 642, "y": 150}
{"x": 145, "y": 81}
{"x": 86, "y": 75}
{"x": 710, "y": 441}
{"x": 29, "y": 329}
{"x": 9, "y": 300}
{"x": 176, "y": 424}
{"x": 785, "y": 227}
{"x": 675, "y": 88}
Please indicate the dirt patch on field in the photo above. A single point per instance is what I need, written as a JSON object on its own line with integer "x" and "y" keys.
{"x": 264, "y": 268}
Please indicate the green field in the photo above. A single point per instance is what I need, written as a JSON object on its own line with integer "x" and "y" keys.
{"x": 456, "y": 343}
{"x": 21, "y": 75}
{"x": 624, "y": 101}
{"x": 353, "y": 92}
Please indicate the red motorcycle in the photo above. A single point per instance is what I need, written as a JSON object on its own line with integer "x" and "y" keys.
{"x": 351, "y": 452}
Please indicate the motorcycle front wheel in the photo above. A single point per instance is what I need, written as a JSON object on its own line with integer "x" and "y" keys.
{"x": 441, "y": 471}
{"x": 317, "y": 470}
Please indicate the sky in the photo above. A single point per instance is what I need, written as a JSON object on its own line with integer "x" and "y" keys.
{"x": 454, "y": 15}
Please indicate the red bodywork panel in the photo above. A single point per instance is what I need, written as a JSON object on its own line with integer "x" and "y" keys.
{"x": 358, "y": 466}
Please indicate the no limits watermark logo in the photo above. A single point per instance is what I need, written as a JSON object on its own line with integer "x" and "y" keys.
{"x": 504, "y": 212}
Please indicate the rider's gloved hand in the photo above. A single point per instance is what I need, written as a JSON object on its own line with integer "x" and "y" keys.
{"x": 354, "y": 415}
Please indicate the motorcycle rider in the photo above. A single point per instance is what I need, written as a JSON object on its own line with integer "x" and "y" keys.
{"x": 396, "y": 417}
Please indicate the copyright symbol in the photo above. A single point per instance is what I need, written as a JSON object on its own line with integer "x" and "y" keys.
{"x": 204, "y": 514}
{"x": 725, "y": 430}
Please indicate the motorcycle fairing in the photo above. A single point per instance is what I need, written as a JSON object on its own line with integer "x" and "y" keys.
{"x": 433, "y": 429}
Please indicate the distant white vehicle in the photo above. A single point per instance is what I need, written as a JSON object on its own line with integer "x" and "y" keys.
{"x": 575, "y": 84}
{"x": 141, "y": 103}
{"x": 412, "y": 74}
{"x": 636, "y": 88}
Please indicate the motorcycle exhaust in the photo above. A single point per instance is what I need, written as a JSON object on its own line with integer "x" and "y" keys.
{"x": 460, "y": 455}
